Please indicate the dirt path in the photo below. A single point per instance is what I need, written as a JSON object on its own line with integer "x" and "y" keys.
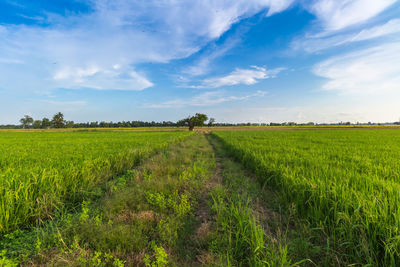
{"x": 204, "y": 215}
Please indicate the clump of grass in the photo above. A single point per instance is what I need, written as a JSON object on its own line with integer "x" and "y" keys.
{"x": 158, "y": 259}
{"x": 243, "y": 238}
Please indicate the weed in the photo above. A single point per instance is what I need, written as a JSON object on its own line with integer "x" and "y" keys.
{"x": 159, "y": 257}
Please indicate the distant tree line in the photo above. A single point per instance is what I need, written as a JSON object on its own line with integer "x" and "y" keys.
{"x": 58, "y": 121}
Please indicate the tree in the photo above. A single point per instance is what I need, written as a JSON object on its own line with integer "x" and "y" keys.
{"x": 211, "y": 122}
{"x": 192, "y": 121}
{"x": 26, "y": 121}
{"x": 36, "y": 124}
{"x": 58, "y": 120}
{"x": 46, "y": 123}
{"x": 69, "y": 124}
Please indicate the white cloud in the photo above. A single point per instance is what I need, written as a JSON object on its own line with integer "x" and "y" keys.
{"x": 85, "y": 47}
{"x": 240, "y": 76}
{"x": 313, "y": 44}
{"x": 206, "y": 99}
{"x": 278, "y": 6}
{"x": 116, "y": 78}
{"x": 14, "y": 3}
{"x": 392, "y": 26}
{"x": 375, "y": 70}
{"x": 339, "y": 14}
{"x": 77, "y": 75}
{"x": 212, "y": 18}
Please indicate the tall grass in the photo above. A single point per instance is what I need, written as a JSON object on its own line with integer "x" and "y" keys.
{"x": 345, "y": 182}
{"x": 42, "y": 172}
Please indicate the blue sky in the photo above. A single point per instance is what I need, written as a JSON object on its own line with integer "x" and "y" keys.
{"x": 237, "y": 61}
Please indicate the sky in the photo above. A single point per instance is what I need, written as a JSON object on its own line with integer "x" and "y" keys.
{"x": 236, "y": 61}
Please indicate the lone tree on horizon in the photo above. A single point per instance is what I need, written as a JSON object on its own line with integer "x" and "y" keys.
{"x": 197, "y": 120}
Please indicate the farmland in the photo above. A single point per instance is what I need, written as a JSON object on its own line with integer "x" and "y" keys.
{"x": 345, "y": 182}
{"x": 43, "y": 172}
{"x": 225, "y": 198}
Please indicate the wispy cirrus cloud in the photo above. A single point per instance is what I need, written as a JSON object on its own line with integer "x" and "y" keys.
{"x": 390, "y": 27}
{"x": 201, "y": 66}
{"x": 240, "y": 76}
{"x": 313, "y": 44}
{"x": 339, "y": 23}
{"x": 370, "y": 71}
{"x": 206, "y": 99}
{"x": 336, "y": 15}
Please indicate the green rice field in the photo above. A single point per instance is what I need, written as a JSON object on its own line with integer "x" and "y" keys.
{"x": 266, "y": 197}
{"x": 41, "y": 172}
{"x": 345, "y": 182}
